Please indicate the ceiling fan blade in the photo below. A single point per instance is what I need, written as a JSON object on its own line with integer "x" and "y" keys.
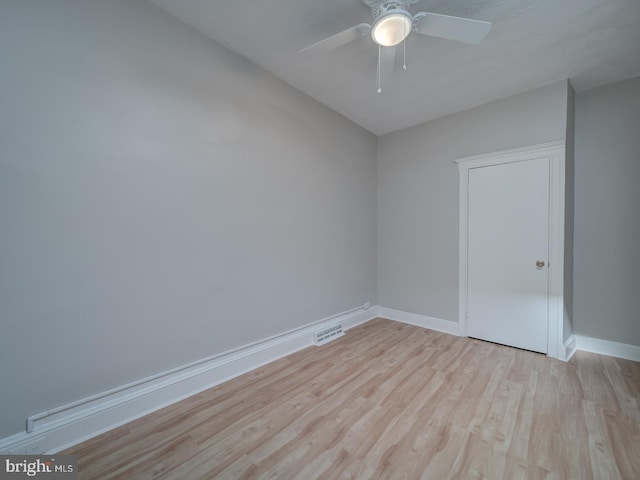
{"x": 387, "y": 64}
{"x": 339, "y": 39}
{"x": 461, "y": 29}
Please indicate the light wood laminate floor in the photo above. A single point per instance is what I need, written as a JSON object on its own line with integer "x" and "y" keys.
{"x": 392, "y": 401}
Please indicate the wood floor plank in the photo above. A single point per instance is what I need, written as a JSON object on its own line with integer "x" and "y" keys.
{"x": 390, "y": 400}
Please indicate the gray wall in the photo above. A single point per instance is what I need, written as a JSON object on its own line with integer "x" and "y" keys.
{"x": 418, "y": 193}
{"x": 161, "y": 200}
{"x": 607, "y": 213}
{"x": 569, "y": 193}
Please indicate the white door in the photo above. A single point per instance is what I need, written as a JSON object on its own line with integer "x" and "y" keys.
{"x": 508, "y": 241}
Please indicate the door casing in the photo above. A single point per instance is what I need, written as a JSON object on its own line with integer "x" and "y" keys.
{"x": 555, "y": 152}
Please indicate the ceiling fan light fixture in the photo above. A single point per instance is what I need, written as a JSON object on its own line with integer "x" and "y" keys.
{"x": 392, "y": 28}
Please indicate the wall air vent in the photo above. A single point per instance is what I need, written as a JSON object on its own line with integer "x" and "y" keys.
{"x": 327, "y": 334}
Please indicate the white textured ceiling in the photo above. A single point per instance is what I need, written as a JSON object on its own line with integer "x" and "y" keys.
{"x": 532, "y": 43}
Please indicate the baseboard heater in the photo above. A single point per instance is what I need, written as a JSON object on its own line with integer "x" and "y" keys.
{"x": 327, "y": 334}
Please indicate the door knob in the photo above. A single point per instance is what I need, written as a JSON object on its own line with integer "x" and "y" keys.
{"x": 539, "y": 263}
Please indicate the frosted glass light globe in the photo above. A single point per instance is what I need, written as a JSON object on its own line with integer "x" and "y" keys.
{"x": 391, "y": 29}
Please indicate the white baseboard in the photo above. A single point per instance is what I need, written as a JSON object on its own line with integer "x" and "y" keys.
{"x": 63, "y": 427}
{"x": 432, "y": 323}
{"x": 569, "y": 348}
{"x": 571, "y": 345}
{"x": 607, "y": 347}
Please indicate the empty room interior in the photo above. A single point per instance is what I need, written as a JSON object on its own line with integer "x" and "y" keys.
{"x": 321, "y": 239}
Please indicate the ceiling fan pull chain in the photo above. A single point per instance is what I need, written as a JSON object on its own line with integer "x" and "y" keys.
{"x": 404, "y": 49}
{"x": 379, "y": 81}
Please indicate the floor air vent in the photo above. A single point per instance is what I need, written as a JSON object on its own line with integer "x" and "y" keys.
{"x": 328, "y": 334}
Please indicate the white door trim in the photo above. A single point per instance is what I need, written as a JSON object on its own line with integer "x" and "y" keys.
{"x": 555, "y": 152}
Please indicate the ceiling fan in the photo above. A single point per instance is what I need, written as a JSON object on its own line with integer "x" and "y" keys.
{"x": 392, "y": 24}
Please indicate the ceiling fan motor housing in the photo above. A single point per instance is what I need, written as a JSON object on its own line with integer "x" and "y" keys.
{"x": 380, "y": 8}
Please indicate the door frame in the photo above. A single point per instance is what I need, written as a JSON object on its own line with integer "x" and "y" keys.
{"x": 555, "y": 152}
